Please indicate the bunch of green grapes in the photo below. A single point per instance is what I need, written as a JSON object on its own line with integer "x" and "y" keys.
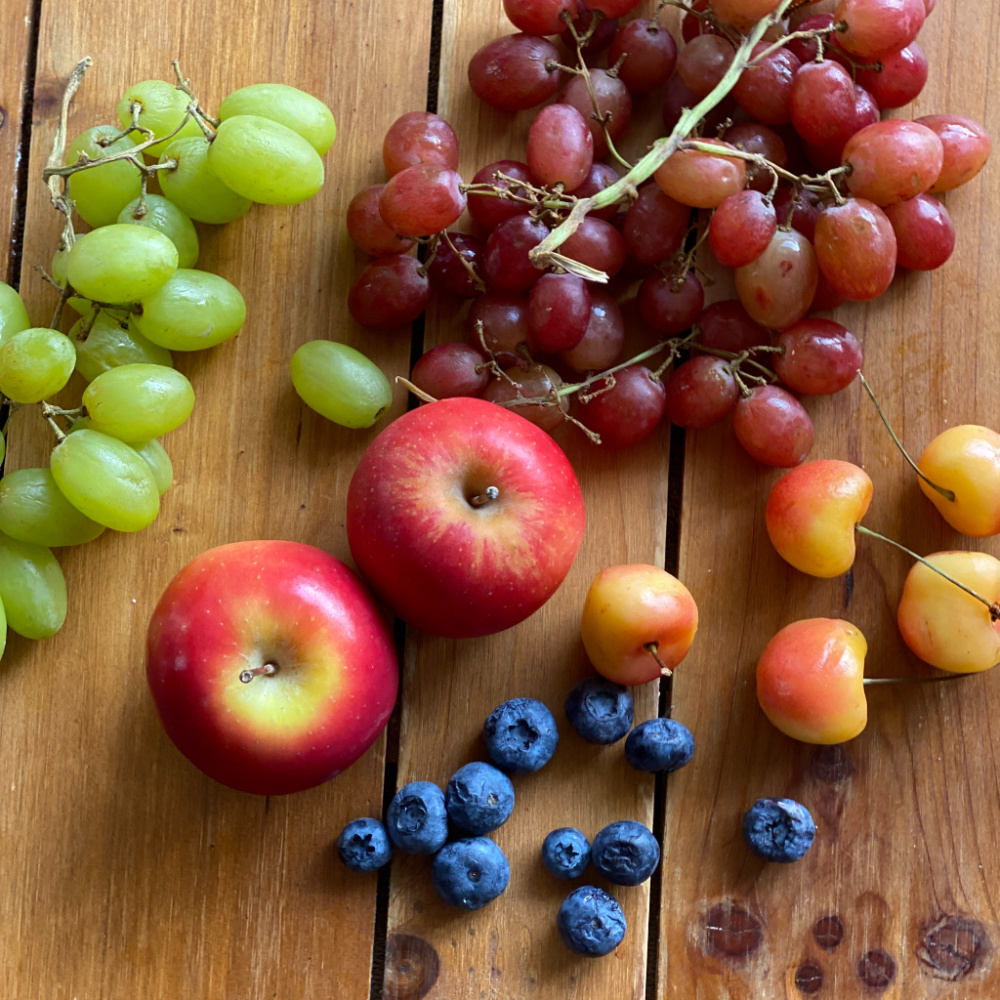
{"x": 133, "y": 281}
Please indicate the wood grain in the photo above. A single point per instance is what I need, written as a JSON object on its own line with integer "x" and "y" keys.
{"x": 907, "y": 811}
{"x": 130, "y": 874}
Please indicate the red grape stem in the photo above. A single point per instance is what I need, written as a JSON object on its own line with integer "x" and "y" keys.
{"x": 478, "y": 282}
{"x": 817, "y": 33}
{"x": 416, "y": 390}
{"x": 946, "y": 493}
{"x": 994, "y": 609}
{"x": 537, "y": 197}
{"x": 707, "y": 15}
{"x": 541, "y": 255}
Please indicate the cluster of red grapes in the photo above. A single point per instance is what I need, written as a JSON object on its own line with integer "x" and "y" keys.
{"x": 774, "y": 120}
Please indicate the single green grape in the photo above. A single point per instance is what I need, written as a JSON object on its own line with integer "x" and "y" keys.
{"x": 165, "y": 217}
{"x": 35, "y": 364}
{"x": 192, "y": 311}
{"x": 193, "y": 187}
{"x": 265, "y": 161}
{"x": 293, "y": 108}
{"x": 162, "y": 109}
{"x": 156, "y": 457}
{"x": 99, "y": 193}
{"x": 120, "y": 263}
{"x": 139, "y": 401}
{"x": 3, "y": 629}
{"x": 32, "y": 588}
{"x": 110, "y": 343}
{"x": 13, "y": 315}
{"x": 106, "y": 479}
{"x": 340, "y": 383}
{"x": 3, "y": 447}
{"x": 33, "y": 510}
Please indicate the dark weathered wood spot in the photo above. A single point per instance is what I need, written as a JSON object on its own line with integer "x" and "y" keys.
{"x": 808, "y": 977}
{"x": 731, "y": 931}
{"x": 831, "y": 764}
{"x": 829, "y": 931}
{"x": 3, "y": 117}
{"x": 411, "y": 967}
{"x": 952, "y": 946}
{"x": 876, "y": 968}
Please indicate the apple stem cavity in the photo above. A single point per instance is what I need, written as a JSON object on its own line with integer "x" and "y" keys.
{"x": 994, "y": 609}
{"x": 265, "y": 669}
{"x": 488, "y": 495}
{"x": 653, "y": 649}
{"x": 946, "y": 493}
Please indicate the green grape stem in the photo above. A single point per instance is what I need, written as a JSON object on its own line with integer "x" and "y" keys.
{"x": 542, "y": 254}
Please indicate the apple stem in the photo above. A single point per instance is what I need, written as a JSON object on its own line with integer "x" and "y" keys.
{"x": 946, "y": 493}
{"x": 994, "y": 609}
{"x": 652, "y": 648}
{"x": 246, "y": 676}
{"x": 487, "y": 496}
{"x": 914, "y": 680}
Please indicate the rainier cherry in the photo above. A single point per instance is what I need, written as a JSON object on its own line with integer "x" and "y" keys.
{"x": 966, "y": 461}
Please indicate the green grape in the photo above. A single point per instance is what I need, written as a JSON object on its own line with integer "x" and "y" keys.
{"x": 106, "y": 479}
{"x": 100, "y": 193}
{"x": 165, "y": 217}
{"x": 158, "y": 460}
{"x": 111, "y": 343}
{"x": 193, "y": 310}
{"x": 163, "y": 107}
{"x": 3, "y": 630}
{"x": 33, "y": 510}
{"x": 137, "y": 402}
{"x": 193, "y": 187}
{"x": 32, "y": 588}
{"x": 340, "y": 383}
{"x": 293, "y": 108}
{"x": 120, "y": 263}
{"x": 3, "y": 447}
{"x": 265, "y": 161}
{"x": 35, "y": 364}
{"x": 13, "y": 315}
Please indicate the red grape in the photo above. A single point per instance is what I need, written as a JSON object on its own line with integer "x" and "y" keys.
{"x": 599, "y": 39}
{"x": 419, "y": 137}
{"x": 668, "y": 309}
{"x": 743, "y": 14}
{"x": 655, "y": 225}
{"x": 539, "y": 17}
{"x": 390, "y": 291}
{"x": 613, "y": 8}
{"x": 763, "y": 141}
{"x": 877, "y": 28}
{"x": 966, "y": 147}
{"x": 700, "y": 392}
{"x": 856, "y": 249}
{"x": 703, "y": 62}
{"x": 626, "y": 412}
{"x": 602, "y": 343}
{"x": 925, "y": 235}
{"x": 727, "y": 326}
{"x": 489, "y": 211}
{"x": 677, "y": 97}
{"x": 505, "y": 334}
{"x": 506, "y": 265}
{"x": 422, "y": 200}
{"x": 447, "y": 270}
{"x": 560, "y": 146}
{"x": 773, "y": 427}
{"x": 558, "y": 312}
{"x": 741, "y": 228}
{"x": 764, "y": 91}
{"x": 820, "y": 357}
{"x": 452, "y": 369}
{"x": 512, "y": 73}
{"x": 538, "y": 382}
{"x": 824, "y": 104}
{"x": 800, "y": 207}
{"x": 650, "y": 55}
{"x": 777, "y": 288}
{"x": 892, "y": 160}
{"x": 701, "y": 179}
{"x": 614, "y": 104}
{"x": 900, "y": 80}
{"x": 692, "y": 26}
{"x": 826, "y": 297}
{"x": 367, "y": 228}
{"x": 599, "y": 177}
{"x": 597, "y": 244}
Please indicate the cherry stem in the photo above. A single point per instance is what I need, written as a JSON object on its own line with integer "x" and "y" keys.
{"x": 914, "y": 680}
{"x": 488, "y": 495}
{"x": 994, "y": 609}
{"x": 653, "y": 649}
{"x": 265, "y": 670}
{"x": 416, "y": 390}
{"x": 946, "y": 493}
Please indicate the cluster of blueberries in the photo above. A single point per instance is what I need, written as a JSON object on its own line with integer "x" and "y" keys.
{"x": 521, "y": 737}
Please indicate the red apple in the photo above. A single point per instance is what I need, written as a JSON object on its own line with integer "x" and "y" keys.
{"x": 464, "y": 517}
{"x": 270, "y": 667}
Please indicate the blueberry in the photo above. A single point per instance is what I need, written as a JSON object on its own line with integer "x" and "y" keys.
{"x": 520, "y": 735}
{"x": 601, "y": 712}
{"x": 470, "y": 873}
{"x": 566, "y": 852}
{"x": 625, "y": 852}
{"x": 659, "y": 745}
{"x": 778, "y": 829}
{"x": 417, "y": 819}
{"x": 591, "y": 922}
{"x": 479, "y": 798}
{"x": 364, "y": 845}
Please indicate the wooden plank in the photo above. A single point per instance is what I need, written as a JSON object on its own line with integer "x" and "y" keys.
{"x": 907, "y": 812}
{"x": 129, "y": 873}
{"x": 511, "y": 947}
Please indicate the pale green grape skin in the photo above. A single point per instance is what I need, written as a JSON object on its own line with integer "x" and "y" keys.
{"x": 192, "y": 311}
{"x": 3, "y": 447}
{"x": 163, "y": 109}
{"x": 158, "y": 460}
{"x": 340, "y": 383}
{"x": 32, "y": 588}
{"x": 165, "y": 217}
{"x": 193, "y": 186}
{"x": 111, "y": 343}
{"x": 105, "y": 479}
{"x": 33, "y": 510}
{"x": 35, "y": 364}
{"x": 138, "y": 402}
{"x": 13, "y": 315}
{"x": 100, "y": 193}
{"x": 265, "y": 161}
{"x": 289, "y": 106}
{"x": 120, "y": 263}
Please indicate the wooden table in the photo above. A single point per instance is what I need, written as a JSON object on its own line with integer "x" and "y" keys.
{"x": 128, "y": 874}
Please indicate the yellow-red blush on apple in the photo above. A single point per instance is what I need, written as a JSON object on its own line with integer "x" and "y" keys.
{"x": 637, "y": 621}
{"x": 811, "y": 514}
{"x": 810, "y": 680}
